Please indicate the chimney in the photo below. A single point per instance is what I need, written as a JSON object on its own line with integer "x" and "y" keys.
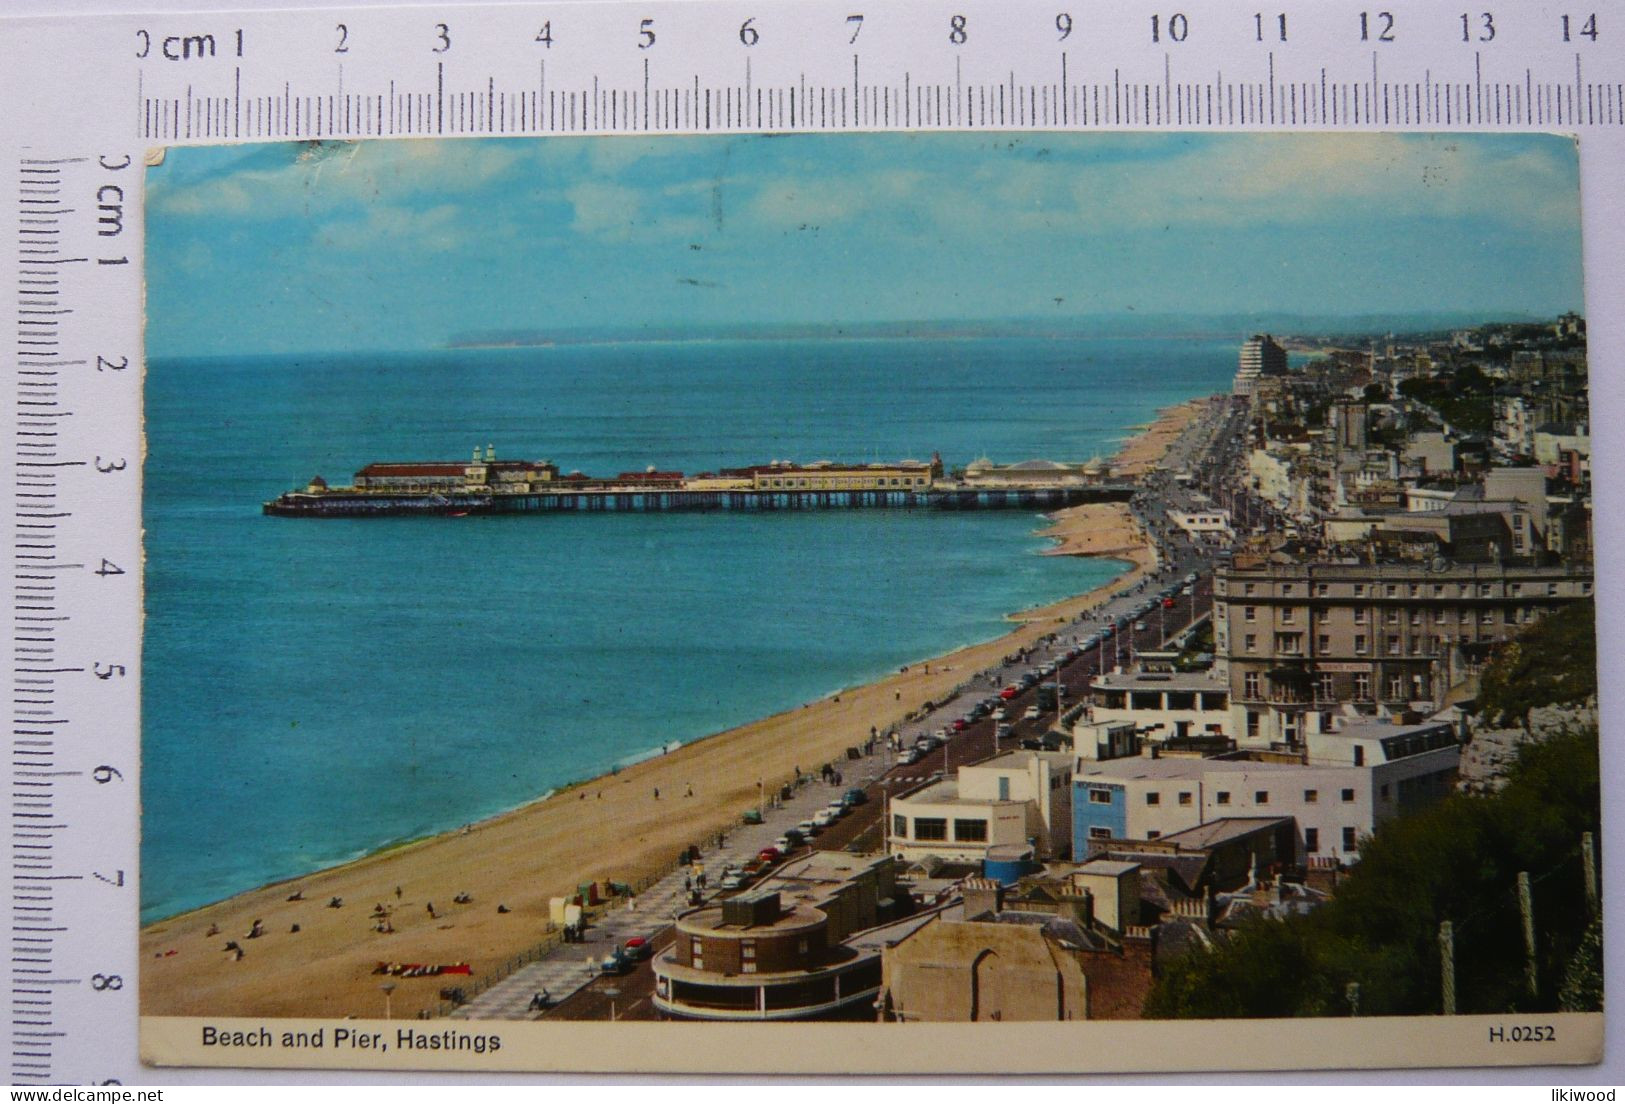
{"x": 982, "y": 896}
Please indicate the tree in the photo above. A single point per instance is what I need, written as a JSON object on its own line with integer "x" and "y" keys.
{"x": 1552, "y": 662}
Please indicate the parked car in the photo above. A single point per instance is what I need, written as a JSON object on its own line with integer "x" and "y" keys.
{"x": 912, "y": 755}
{"x": 810, "y": 828}
{"x": 1139, "y": 626}
{"x": 837, "y": 808}
{"x": 1009, "y": 692}
{"x": 854, "y": 796}
{"x": 733, "y": 879}
{"x": 637, "y": 948}
{"x": 770, "y": 854}
{"x": 784, "y": 846}
{"x": 960, "y": 724}
{"x": 999, "y": 713}
{"x": 1001, "y": 732}
{"x": 823, "y": 818}
{"x": 615, "y": 963}
{"x": 1032, "y": 713}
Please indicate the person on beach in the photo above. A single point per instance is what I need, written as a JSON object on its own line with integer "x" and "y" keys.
{"x": 690, "y": 792}
{"x": 657, "y": 793}
{"x": 397, "y": 893}
{"x": 430, "y": 906}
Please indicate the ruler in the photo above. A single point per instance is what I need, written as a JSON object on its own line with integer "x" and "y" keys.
{"x": 95, "y": 92}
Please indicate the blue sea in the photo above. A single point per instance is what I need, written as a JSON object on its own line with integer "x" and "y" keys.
{"x": 313, "y": 690}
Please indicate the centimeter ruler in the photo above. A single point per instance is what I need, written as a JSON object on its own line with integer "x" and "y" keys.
{"x": 91, "y": 94}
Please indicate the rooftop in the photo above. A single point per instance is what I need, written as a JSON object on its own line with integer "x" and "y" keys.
{"x": 1223, "y": 830}
{"x": 1110, "y": 868}
{"x": 1202, "y": 681}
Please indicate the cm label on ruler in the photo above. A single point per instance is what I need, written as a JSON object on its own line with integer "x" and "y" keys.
{"x": 739, "y": 67}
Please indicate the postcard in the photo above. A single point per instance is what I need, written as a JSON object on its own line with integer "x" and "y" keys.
{"x": 951, "y": 602}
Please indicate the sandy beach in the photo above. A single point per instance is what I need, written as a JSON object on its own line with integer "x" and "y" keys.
{"x": 1141, "y": 452}
{"x": 613, "y": 827}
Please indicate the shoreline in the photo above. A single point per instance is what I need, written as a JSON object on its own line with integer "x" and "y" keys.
{"x": 607, "y": 826}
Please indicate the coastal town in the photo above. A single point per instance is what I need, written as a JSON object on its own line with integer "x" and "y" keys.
{"x": 1323, "y": 569}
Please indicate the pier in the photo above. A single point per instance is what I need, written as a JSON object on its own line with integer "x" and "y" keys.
{"x": 456, "y": 504}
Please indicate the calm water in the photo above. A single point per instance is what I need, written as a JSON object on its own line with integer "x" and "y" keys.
{"x": 315, "y": 689}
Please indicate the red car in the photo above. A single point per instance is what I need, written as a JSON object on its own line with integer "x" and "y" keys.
{"x": 959, "y": 724}
{"x": 769, "y": 855}
{"x": 637, "y": 949}
{"x": 1009, "y": 692}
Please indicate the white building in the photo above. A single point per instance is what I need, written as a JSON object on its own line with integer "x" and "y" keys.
{"x": 1198, "y": 522}
{"x": 1015, "y": 798}
{"x": 1349, "y": 782}
{"x": 1163, "y": 705}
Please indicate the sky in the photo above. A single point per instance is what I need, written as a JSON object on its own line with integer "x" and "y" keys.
{"x": 401, "y": 245}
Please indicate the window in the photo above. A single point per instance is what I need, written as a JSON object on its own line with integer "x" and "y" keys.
{"x": 1359, "y": 755}
{"x": 1184, "y": 797}
{"x": 801, "y": 946}
{"x": 1153, "y": 834}
{"x": 1322, "y": 590}
{"x": 1224, "y": 797}
{"x": 1288, "y": 615}
{"x": 1153, "y": 798}
{"x": 1250, "y": 684}
{"x": 1396, "y": 688}
{"x": 1100, "y": 833}
{"x": 747, "y": 948}
{"x": 930, "y": 828}
{"x": 1360, "y": 644}
{"x": 899, "y": 825}
{"x": 1359, "y": 615}
{"x": 1416, "y": 617}
{"x": 1415, "y": 590}
{"x": 1393, "y": 644}
{"x": 1350, "y": 840}
{"x": 970, "y": 831}
{"x": 1286, "y": 588}
{"x": 1438, "y": 617}
{"x": 1262, "y": 797}
{"x": 1326, "y": 686}
{"x": 1310, "y": 797}
{"x": 1250, "y": 589}
{"x": 1383, "y": 792}
{"x": 1311, "y": 840}
{"x": 1323, "y": 643}
{"x": 748, "y": 966}
{"x": 1393, "y": 591}
{"x": 1551, "y": 590}
{"x": 1362, "y": 686}
{"x": 1249, "y": 613}
{"x": 1004, "y": 788}
{"x": 1100, "y": 797}
{"x": 1252, "y": 643}
{"x": 1359, "y": 590}
{"x": 1348, "y": 795}
{"x": 1391, "y": 615}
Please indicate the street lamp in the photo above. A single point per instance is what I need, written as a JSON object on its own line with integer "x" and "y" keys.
{"x": 388, "y": 987}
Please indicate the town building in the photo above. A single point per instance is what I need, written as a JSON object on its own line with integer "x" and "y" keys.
{"x": 1260, "y": 356}
{"x": 1336, "y": 791}
{"x": 1163, "y": 705}
{"x": 1297, "y": 639}
{"x": 1021, "y": 798}
{"x": 989, "y": 959}
{"x": 758, "y": 957}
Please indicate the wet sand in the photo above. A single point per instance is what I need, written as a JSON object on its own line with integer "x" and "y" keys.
{"x": 613, "y": 827}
